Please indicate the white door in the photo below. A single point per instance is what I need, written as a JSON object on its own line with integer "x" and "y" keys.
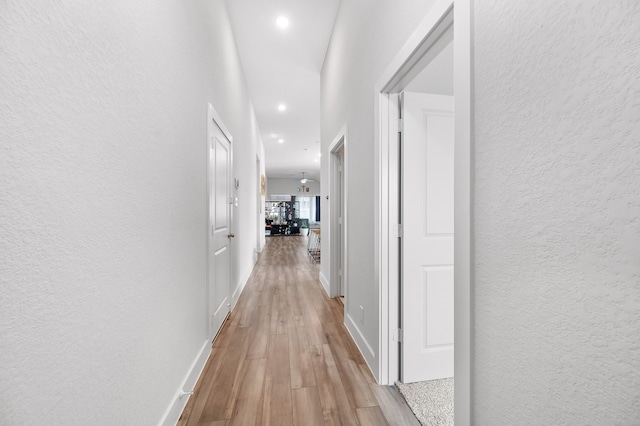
{"x": 341, "y": 213}
{"x": 338, "y": 217}
{"x": 220, "y": 210}
{"x": 427, "y": 242}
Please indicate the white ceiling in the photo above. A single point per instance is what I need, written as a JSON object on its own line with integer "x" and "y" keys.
{"x": 283, "y": 66}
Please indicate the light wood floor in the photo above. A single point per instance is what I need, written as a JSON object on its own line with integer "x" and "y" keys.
{"x": 284, "y": 356}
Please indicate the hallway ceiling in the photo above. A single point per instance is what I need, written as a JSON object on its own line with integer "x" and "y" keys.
{"x": 282, "y": 66}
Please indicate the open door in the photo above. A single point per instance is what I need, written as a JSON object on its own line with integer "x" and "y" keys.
{"x": 220, "y": 211}
{"x": 427, "y": 219}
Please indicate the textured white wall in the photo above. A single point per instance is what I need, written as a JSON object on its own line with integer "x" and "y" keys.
{"x": 103, "y": 109}
{"x": 557, "y": 213}
{"x": 277, "y": 186}
{"x": 365, "y": 39}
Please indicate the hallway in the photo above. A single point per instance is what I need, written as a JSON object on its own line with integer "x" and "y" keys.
{"x": 284, "y": 356}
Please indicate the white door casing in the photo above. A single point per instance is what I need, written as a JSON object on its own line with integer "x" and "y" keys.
{"x": 409, "y": 61}
{"x": 427, "y": 212}
{"x": 220, "y": 219}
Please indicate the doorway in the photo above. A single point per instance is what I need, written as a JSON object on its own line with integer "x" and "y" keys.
{"x": 432, "y": 36}
{"x": 260, "y": 213}
{"x": 219, "y": 233}
{"x": 338, "y": 216}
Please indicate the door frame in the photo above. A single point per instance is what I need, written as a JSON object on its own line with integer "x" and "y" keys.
{"x": 339, "y": 143}
{"x": 213, "y": 119}
{"x": 260, "y": 213}
{"x": 418, "y": 51}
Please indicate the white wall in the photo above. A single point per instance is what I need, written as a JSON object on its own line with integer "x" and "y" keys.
{"x": 365, "y": 39}
{"x": 103, "y": 192}
{"x": 277, "y": 186}
{"x": 557, "y": 212}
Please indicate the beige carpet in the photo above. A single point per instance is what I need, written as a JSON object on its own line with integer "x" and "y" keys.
{"x": 431, "y": 401}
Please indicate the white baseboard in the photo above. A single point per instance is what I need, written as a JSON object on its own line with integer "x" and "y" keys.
{"x": 174, "y": 411}
{"x": 365, "y": 349}
{"x": 325, "y": 283}
{"x": 243, "y": 282}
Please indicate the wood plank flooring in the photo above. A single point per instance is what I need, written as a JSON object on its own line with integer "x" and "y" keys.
{"x": 284, "y": 356}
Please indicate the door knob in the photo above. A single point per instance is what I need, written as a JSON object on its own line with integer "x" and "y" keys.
{"x": 230, "y": 235}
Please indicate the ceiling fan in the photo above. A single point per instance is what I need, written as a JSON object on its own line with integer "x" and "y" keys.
{"x": 304, "y": 179}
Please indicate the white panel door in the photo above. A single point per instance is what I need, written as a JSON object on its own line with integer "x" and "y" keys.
{"x": 427, "y": 242}
{"x": 341, "y": 218}
{"x": 219, "y": 228}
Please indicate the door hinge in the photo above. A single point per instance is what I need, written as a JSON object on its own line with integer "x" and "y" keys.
{"x": 398, "y": 231}
{"x": 398, "y": 125}
{"x": 397, "y": 335}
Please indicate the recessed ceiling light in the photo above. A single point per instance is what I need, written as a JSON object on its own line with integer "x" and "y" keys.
{"x": 282, "y": 107}
{"x": 305, "y": 149}
{"x": 280, "y": 140}
{"x": 273, "y": 135}
{"x": 316, "y": 160}
{"x": 282, "y": 22}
